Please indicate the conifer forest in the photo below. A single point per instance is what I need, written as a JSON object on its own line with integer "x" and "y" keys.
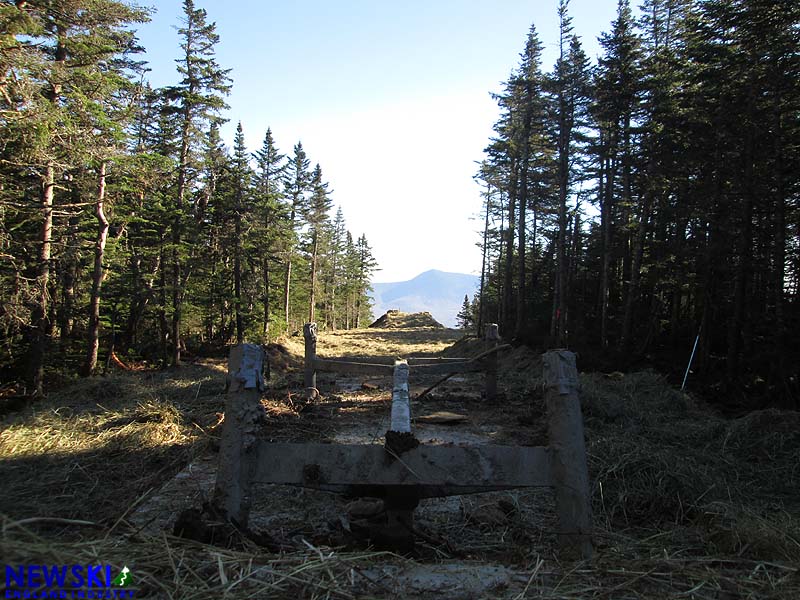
{"x": 635, "y": 208}
{"x": 127, "y": 226}
{"x": 647, "y": 203}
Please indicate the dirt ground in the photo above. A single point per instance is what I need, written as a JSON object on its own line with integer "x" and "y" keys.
{"x": 686, "y": 504}
{"x": 463, "y": 543}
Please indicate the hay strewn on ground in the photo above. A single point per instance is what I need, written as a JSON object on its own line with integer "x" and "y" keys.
{"x": 98, "y": 445}
{"x": 687, "y": 504}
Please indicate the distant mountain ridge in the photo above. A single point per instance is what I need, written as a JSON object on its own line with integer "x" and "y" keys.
{"x": 438, "y": 292}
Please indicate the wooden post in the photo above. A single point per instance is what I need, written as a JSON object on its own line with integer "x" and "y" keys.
{"x": 238, "y": 448}
{"x": 569, "y": 469}
{"x": 401, "y": 402}
{"x": 310, "y": 335}
{"x": 399, "y": 503}
{"x": 490, "y": 382}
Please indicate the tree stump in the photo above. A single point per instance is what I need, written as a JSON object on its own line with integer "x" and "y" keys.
{"x": 490, "y": 381}
{"x": 310, "y": 372}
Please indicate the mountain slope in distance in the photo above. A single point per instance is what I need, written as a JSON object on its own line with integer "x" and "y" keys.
{"x": 438, "y": 292}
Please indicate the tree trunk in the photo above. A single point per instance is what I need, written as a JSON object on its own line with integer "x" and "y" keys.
{"x": 177, "y": 232}
{"x": 137, "y": 300}
{"x": 286, "y": 283}
{"x": 333, "y": 297}
{"x": 162, "y": 308}
{"x": 627, "y": 201}
{"x": 265, "y": 273}
{"x": 500, "y": 284}
{"x": 636, "y": 265}
{"x": 237, "y": 276}
{"x": 484, "y": 249}
{"x": 40, "y": 321}
{"x": 508, "y": 285}
{"x": 564, "y": 136}
{"x": 678, "y": 275}
{"x": 39, "y": 314}
{"x": 561, "y": 260}
{"x": 520, "y": 324}
{"x": 742, "y": 280}
{"x": 313, "y": 298}
{"x": 69, "y": 276}
{"x": 93, "y": 334}
{"x": 779, "y": 261}
{"x": 532, "y": 245}
{"x": 573, "y": 259}
{"x": 606, "y": 225}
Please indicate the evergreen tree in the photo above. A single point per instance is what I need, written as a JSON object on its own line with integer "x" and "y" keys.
{"x": 464, "y": 318}
{"x": 520, "y": 167}
{"x": 616, "y": 107}
{"x": 196, "y": 100}
{"x": 298, "y": 181}
{"x": 68, "y": 64}
{"x": 270, "y": 215}
{"x": 337, "y": 249}
{"x": 569, "y": 89}
{"x": 316, "y": 213}
{"x": 366, "y": 266}
{"x": 147, "y": 180}
{"x": 530, "y": 149}
{"x": 241, "y": 176}
{"x": 213, "y": 216}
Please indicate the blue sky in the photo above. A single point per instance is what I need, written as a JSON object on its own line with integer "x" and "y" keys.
{"x": 391, "y": 98}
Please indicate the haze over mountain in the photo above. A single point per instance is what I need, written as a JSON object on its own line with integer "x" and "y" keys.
{"x": 437, "y": 292}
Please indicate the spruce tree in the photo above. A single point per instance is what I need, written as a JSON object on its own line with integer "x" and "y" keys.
{"x": 337, "y": 249}
{"x": 298, "y": 181}
{"x": 616, "y": 107}
{"x": 464, "y": 318}
{"x": 316, "y": 216}
{"x": 529, "y": 147}
{"x": 241, "y": 176}
{"x": 196, "y": 100}
{"x": 365, "y": 268}
{"x": 146, "y": 179}
{"x": 568, "y": 86}
{"x": 270, "y": 215}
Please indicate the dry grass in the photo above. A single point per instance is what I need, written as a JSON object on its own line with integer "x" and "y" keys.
{"x": 365, "y": 343}
{"x": 169, "y": 567}
{"x": 659, "y": 458}
{"x": 100, "y": 444}
{"x": 671, "y": 477}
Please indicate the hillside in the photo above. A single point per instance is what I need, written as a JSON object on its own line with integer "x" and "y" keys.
{"x": 437, "y": 292}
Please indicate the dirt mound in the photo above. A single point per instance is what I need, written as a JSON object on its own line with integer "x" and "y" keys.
{"x": 281, "y": 359}
{"x": 519, "y": 361}
{"x": 394, "y": 319}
